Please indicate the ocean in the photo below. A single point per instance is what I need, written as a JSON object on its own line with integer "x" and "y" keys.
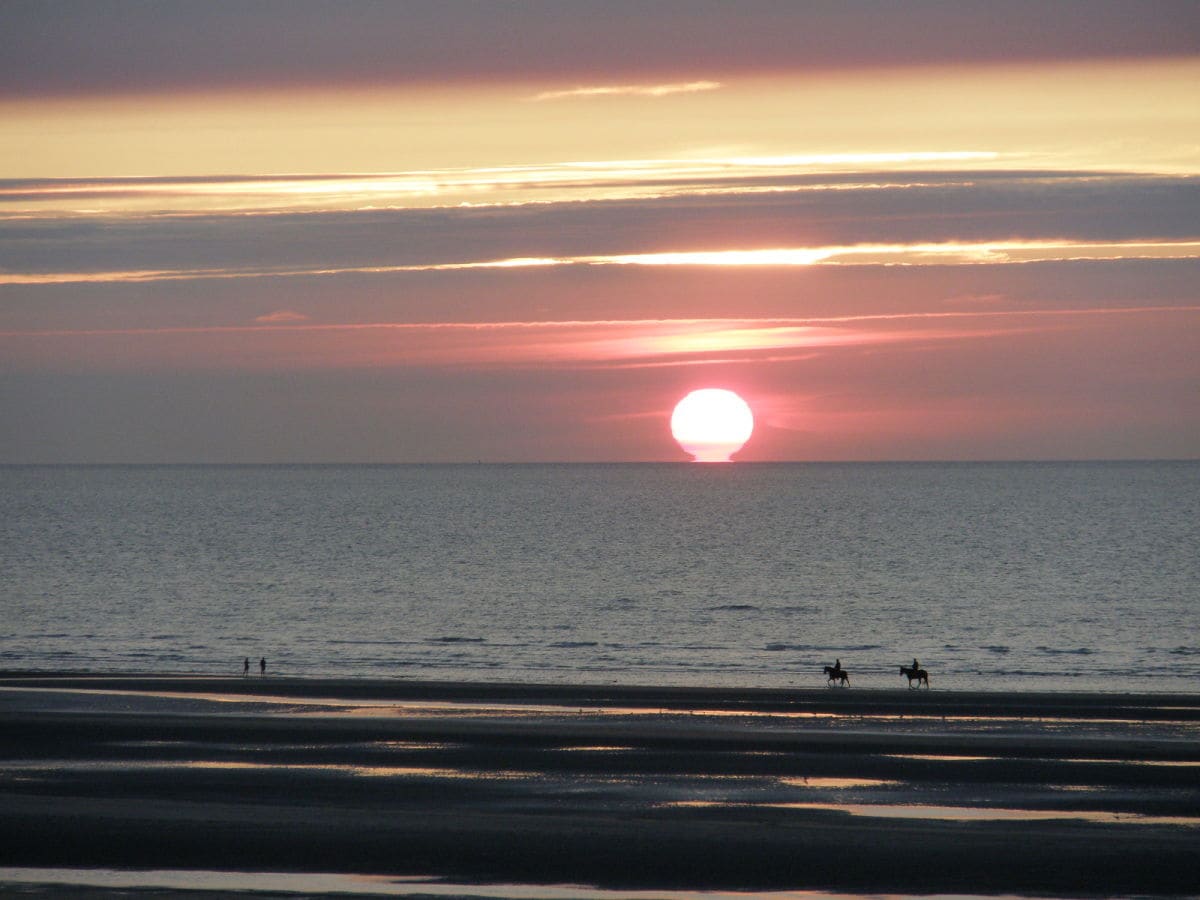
{"x": 997, "y": 576}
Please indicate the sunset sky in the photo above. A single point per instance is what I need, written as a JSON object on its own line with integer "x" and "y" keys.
{"x": 318, "y": 231}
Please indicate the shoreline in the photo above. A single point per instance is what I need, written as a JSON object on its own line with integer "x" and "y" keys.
{"x": 616, "y": 787}
{"x": 939, "y": 701}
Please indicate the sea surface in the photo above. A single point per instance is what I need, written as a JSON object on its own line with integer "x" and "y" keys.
{"x": 997, "y": 576}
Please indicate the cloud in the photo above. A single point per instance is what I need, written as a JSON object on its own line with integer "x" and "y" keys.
{"x": 281, "y": 317}
{"x": 620, "y": 338}
{"x": 630, "y": 90}
{"x": 503, "y": 186}
{"x": 939, "y": 254}
{"x": 89, "y": 48}
{"x": 935, "y": 254}
{"x": 495, "y": 346}
{"x": 858, "y": 218}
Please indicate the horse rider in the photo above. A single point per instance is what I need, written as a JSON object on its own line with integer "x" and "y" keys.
{"x": 916, "y": 665}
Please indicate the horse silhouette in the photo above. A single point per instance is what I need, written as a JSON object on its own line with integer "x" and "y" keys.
{"x": 840, "y": 675}
{"x": 920, "y": 676}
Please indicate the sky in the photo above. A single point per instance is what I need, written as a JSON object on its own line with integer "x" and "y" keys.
{"x": 451, "y": 231}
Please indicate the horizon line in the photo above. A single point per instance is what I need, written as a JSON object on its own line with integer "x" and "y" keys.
{"x": 601, "y": 462}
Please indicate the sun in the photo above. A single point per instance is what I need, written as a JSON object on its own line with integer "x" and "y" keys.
{"x": 712, "y": 424}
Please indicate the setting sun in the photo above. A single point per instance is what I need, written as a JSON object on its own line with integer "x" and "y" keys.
{"x": 712, "y": 424}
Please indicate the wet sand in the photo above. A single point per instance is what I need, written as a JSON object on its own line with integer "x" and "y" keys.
{"x": 667, "y": 788}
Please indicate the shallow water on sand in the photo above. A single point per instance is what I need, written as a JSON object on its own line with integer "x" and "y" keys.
{"x": 1055, "y": 576}
{"x": 358, "y": 789}
{"x": 226, "y": 883}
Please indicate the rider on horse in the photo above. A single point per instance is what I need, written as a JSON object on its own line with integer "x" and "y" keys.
{"x": 837, "y": 673}
{"x": 916, "y": 673}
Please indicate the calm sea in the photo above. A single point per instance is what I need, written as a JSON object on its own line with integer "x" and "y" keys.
{"x": 1058, "y": 576}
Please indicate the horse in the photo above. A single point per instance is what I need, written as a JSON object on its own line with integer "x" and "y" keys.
{"x": 918, "y": 675}
{"x": 840, "y": 675}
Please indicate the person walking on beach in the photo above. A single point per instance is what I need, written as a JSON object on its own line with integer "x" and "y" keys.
{"x": 262, "y": 666}
{"x": 246, "y": 667}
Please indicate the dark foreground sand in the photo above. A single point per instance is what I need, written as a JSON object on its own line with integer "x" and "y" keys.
{"x": 666, "y": 788}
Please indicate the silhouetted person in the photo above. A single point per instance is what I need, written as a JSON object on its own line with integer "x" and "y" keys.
{"x": 246, "y": 667}
{"x": 916, "y": 665}
{"x": 837, "y": 665}
{"x": 262, "y": 666}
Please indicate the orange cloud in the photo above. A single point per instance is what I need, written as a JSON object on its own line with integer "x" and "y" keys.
{"x": 956, "y": 253}
{"x": 635, "y": 90}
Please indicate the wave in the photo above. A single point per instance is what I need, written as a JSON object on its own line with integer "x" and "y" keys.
{"x": 822, "y": 648}
{"x": 735, "y": 607}
{"x": 454, "y": 639}
{"x": 568, "y": 645}
{"x": 1059, "y": 651}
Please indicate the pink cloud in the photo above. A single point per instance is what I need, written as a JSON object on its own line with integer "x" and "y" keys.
{"x": 280, "y": 317}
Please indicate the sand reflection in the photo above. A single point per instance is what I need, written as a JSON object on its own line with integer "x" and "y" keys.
{"x": 954, "y": 813}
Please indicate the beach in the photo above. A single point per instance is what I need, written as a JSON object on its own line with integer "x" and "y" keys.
{"x": 613, "y": 787}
